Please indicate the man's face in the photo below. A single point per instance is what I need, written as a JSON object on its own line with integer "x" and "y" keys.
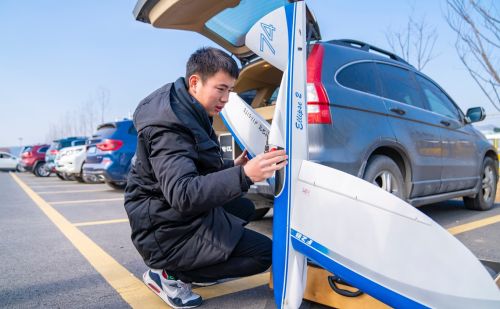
{"x": 213, "y": 94}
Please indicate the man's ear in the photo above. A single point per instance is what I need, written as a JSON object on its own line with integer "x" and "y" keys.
{"x": 193, "y": 83}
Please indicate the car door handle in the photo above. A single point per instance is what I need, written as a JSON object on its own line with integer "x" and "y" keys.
{"x": 398, "y": 111}
{"x": 445, "y": 123}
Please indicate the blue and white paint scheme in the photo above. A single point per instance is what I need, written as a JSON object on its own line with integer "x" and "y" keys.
{"x": 384, "y": 246}
{"x": 367, "y": 236}
{"x": 279, "y": 38}
{"x": 247, "y": 127}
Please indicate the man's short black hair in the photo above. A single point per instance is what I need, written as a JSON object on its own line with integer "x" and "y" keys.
{"x": 207, "y": 61}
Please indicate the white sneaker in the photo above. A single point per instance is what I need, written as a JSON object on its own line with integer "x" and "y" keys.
{"x": 175, "y": 293}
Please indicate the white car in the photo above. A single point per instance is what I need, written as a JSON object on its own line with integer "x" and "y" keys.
{"x": 69, "y": 161}
{"x": 8, "y": 161}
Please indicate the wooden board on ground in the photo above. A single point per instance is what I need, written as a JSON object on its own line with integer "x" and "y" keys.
{"x": 319, "y": 291}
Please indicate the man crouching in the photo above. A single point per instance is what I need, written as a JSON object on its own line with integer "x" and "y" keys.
{"x": 183, "y": 200}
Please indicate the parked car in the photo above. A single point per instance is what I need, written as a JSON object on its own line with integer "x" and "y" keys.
{"x": 20, "y": 167}
{"x": 370, "y": 113}
{"x": 33, "y": 160}
{"x": 8, "y": 162}
{"x": 110, "y": 151}
{"x": 69, "y": 162}
{"x": 54, "y": 149}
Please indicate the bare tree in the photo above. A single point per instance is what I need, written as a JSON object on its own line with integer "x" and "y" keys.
{"x": 102, "y": 99}
{"x": 83, "y": 120}
{"x": 477, "y": 25}
{"x": 415, "y": 42}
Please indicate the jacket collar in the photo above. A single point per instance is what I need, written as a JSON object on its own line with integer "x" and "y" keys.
{"x": 192, "y": 105}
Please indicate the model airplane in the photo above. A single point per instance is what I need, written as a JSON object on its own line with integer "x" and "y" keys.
{"x": 365, "y": 235}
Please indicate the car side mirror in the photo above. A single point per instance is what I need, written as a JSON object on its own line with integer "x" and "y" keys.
{"x": 476, "y": 114}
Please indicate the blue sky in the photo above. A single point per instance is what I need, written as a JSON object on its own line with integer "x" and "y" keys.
{"x": 55, "y": 55}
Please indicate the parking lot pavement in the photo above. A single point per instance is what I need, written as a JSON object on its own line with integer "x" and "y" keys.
{"x": 66, "y": 244}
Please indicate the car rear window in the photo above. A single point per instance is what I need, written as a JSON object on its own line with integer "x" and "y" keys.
{"x": 105, "y": 130}
{"x": 232, "y": 24}
{"x": 360, "y": 76}
{"x": 43, "y": 149}
{"x": 398, "y": 85}
{"x": 78, "y": 142}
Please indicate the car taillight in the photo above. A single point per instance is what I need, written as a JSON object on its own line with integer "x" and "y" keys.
{"x": 54, "y": 151}
{"x": 318, "y": 104}
{"x": 109, "y": 145}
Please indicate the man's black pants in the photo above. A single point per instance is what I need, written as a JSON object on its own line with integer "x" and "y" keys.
{"x": 252, "y": 254}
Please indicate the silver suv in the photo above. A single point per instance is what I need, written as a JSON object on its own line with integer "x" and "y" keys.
{"x": 378, "y": 118}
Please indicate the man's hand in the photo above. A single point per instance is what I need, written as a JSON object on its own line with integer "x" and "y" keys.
{"x": 242, "y": 159}
{"x": 264, "y": 165}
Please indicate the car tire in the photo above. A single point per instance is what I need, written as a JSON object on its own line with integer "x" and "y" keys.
{"x": 116, "y": 185}
{"x": 20, "y": 168}
{"x": 79, "y": 178}
{"x": 383, "y": 172}
{"x": 41, "y": 170}
{"x": 485, "y": 198}
{"x": 69, "y": 177}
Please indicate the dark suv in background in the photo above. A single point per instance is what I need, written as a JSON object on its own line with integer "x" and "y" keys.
{"x": 109, "y": 153}
{"x": 379, "y": 118}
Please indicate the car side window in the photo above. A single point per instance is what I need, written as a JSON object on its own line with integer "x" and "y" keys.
{"x": 398, "y": 85}
{"x": 438, "y": 101}
{"x": 43, "y": 149}
{"x": 360, "y": 76}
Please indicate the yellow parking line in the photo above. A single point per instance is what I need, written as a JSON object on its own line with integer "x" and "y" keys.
{"x": 132, "y": 290}
{"x": 100, "y": 222}
{"x": 473, "y": 225}
{"x": 74, "y": 191}
{"x": 87, "y": 201}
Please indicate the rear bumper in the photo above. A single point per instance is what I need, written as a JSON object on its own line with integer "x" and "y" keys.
{"x": 28, "y": 166}
{"x": 109, "y": 172}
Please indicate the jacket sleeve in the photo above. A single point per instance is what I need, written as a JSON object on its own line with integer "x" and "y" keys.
{"x": 173, "y": 159}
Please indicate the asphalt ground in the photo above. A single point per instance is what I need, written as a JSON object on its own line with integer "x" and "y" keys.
{"x": 67, "y": 245}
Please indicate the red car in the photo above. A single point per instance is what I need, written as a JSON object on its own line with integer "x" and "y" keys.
{"x": 33, "y": 160}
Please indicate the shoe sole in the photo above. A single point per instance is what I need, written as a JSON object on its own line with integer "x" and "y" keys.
{"x": 158, "y": 291}
{"x": 204, "y": 284}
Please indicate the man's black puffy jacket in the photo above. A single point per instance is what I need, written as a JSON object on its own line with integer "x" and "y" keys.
{"x": 178, "y": 182}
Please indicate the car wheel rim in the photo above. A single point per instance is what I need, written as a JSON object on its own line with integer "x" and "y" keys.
{"x": 488, "y": 183}
{"x": 386, "y": 181}
{"x": 43, "y": 171}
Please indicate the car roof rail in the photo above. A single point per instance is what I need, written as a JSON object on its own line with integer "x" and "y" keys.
{"x": 367, "y": 47}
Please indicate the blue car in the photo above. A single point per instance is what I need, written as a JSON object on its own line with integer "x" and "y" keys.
{"x": 109, "y": 153}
